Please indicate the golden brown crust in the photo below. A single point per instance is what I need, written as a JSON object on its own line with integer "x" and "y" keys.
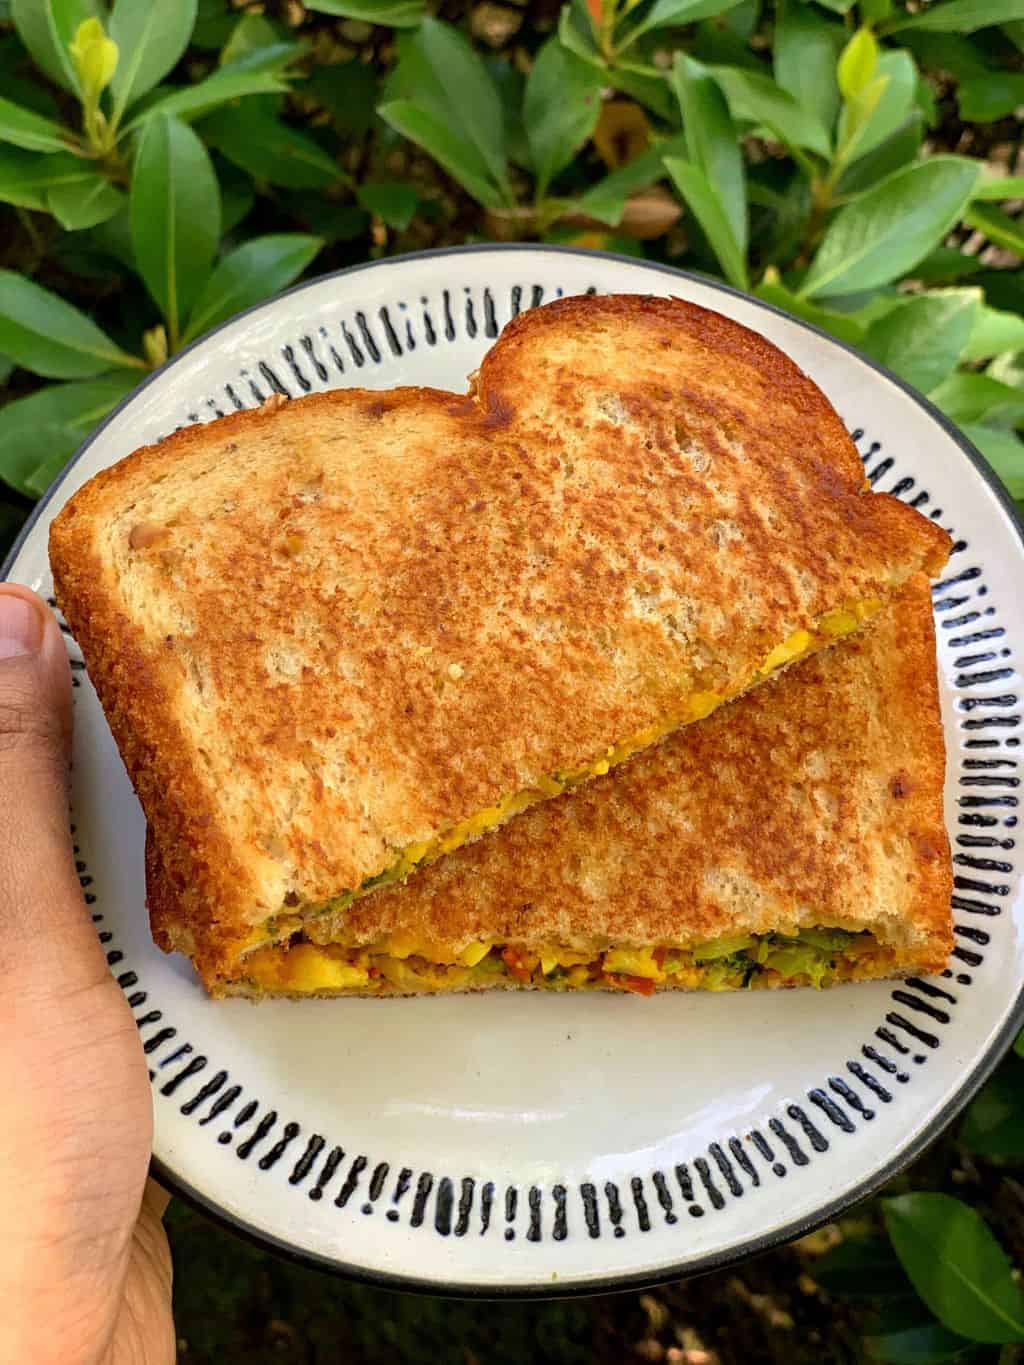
{"x": 815, "y": 800}
{"x": 324, "y": 632}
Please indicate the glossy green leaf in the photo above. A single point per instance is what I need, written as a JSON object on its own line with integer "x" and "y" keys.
{"x": 994, "y": 332}
{"x": 841, "y": 325}
{"x": 838, "y": 6}
{"x": 997, "y": 226}
{"x": 651, "y": 91}
{"x": 1000, "y": 187}
{"x": 874, "y": 11}
{"x": 713, "y": 145}
{"x": 1005, "y": 453}
{"x": 893, "y": 106}
{"x": 757, "y": 99}
{"x": 252, "y": 136}
{"x": 393, "y": 201}
{"x": 923, "y": 338}
{"x": 671, "y": 14}
{"x": 252, "y": 33}
{"x": 898, "y": 150}
{"x": 223, "y": 87}
{"x": 47, "y": 28}
{"x": 42, "y": 333}
{"x": 946, "y": 52}
{"x": 393, "y": 13}
{"x": 151, "y": 36}
{"x": 175, "y": 217}
{"x": 806, "y": 46}
{"x": 560, "y": 109}
{"x": 441, "y": 74}
{"x": 459, "y": 157}
{"x": 929, "y": 1344}
{"x": 255, "y": 271}
{"x": 237, "y": 195}
{"x": 40, "y": 433}
{"x": 30, "y": 131}
{"x": 955, "y": 1264}
{"x": 970, "y": 397}
{"x": 958, "y": 16}
{"x": 606, "y": 200}
{"x": 992, "y": 96}
{"x": 85, "y": 202}
{"x": 886, "y": 231}
{"x": 707, "y": 207}
{"x": 26, "y": 176}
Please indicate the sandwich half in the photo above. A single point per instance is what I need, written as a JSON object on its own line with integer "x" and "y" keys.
{"x": 338, "y": 637}
{"x": 794, "y": 838}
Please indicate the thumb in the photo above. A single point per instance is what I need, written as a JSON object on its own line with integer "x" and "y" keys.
{"x": 44, "y": 930}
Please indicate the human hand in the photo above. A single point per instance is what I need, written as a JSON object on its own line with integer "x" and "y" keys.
{"x": 85, "y": 1269}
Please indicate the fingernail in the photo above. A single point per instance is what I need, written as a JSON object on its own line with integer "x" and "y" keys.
{"x": 21, "y": 625}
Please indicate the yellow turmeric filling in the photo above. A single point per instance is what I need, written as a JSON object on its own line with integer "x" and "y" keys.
{"x": 396, "y": 965}
{"x": 828, "y": 628}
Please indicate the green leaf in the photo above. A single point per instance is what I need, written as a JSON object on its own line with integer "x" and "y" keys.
{"x": 956, "y": 1265}
{"x": 1005, "y": 453}
{"x": 757, "y": 99}
{"x": 42, "y": 333}
{"x": 713, "y": 147}
{"x": 838, "y": 6}
{"x": 874, "y": 11}
{"x": 213, "y": 25}
{"x": 946, "y": 52}
{"x": 31, "y": 131}
{"x": 151, "y": 36}
{"x": 841, "y": 325}
{"x": 47, "y": 28}
{"x": 348, "y": 92}
{"x": 922, "y": 339}
{"x": 992, "y": 96}
{"x": 1000, "y": 187}
{"x": 885, "y": 232}
{"x": 860, "y": 1268}
{"x": 439, "y": 71}
{"x": 897, "y": 151}
{"x": 252, "y": 136}
{"x": 994, "y": 1124}
{"x": 253, "y": 33}
{"x": 651, "y": 91}
{"x": 393, "y": 201}
{"x": 958, "y": 16}
{"x": 576, "y": 32}
{"x": 393, "y": 13}
{"x": 930, "y": 1344}
{"x": 893, "y": 107}
{"x": 24, "y": 177}
{"x": 969, "y": 397}
{"x": 237, "y": 195}
{"x": 806, "y": 45}
{"x": 945, "y": 265}
{"x": 855, "y": 69}
{"x": 223, "y": 87}
{"x": 85, "y": 202}
{"x": 457, "y": 155}
{"x": 706, "y": 206}
{"x": 1018, "y": 1044}
{"x": 175, "y": 216}
{"x": 606, "y": 200}
{"x": 560, "y": 109}
{"x": 672, "y": 13}
{"x": 994, "y": 332}
{"x": 256, "y": 270}
{"x": 997, "y": 226}
{"x": 40, "y": 433}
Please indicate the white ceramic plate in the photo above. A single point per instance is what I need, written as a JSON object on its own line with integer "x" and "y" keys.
{"x": 530, "y": 1144}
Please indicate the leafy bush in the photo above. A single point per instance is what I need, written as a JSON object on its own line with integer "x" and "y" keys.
{"x": 166, "y": 163}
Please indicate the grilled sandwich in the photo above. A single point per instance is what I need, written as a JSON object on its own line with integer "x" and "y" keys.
{"x": 337, "y": 638}
{"x": 795, "y": 838}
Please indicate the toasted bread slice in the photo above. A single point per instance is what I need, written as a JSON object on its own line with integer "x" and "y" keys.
{"x": 337, "y": 637}
{"x": 732, "y": 852}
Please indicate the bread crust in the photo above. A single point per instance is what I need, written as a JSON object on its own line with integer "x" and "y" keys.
{"x": 329, "y": 628}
